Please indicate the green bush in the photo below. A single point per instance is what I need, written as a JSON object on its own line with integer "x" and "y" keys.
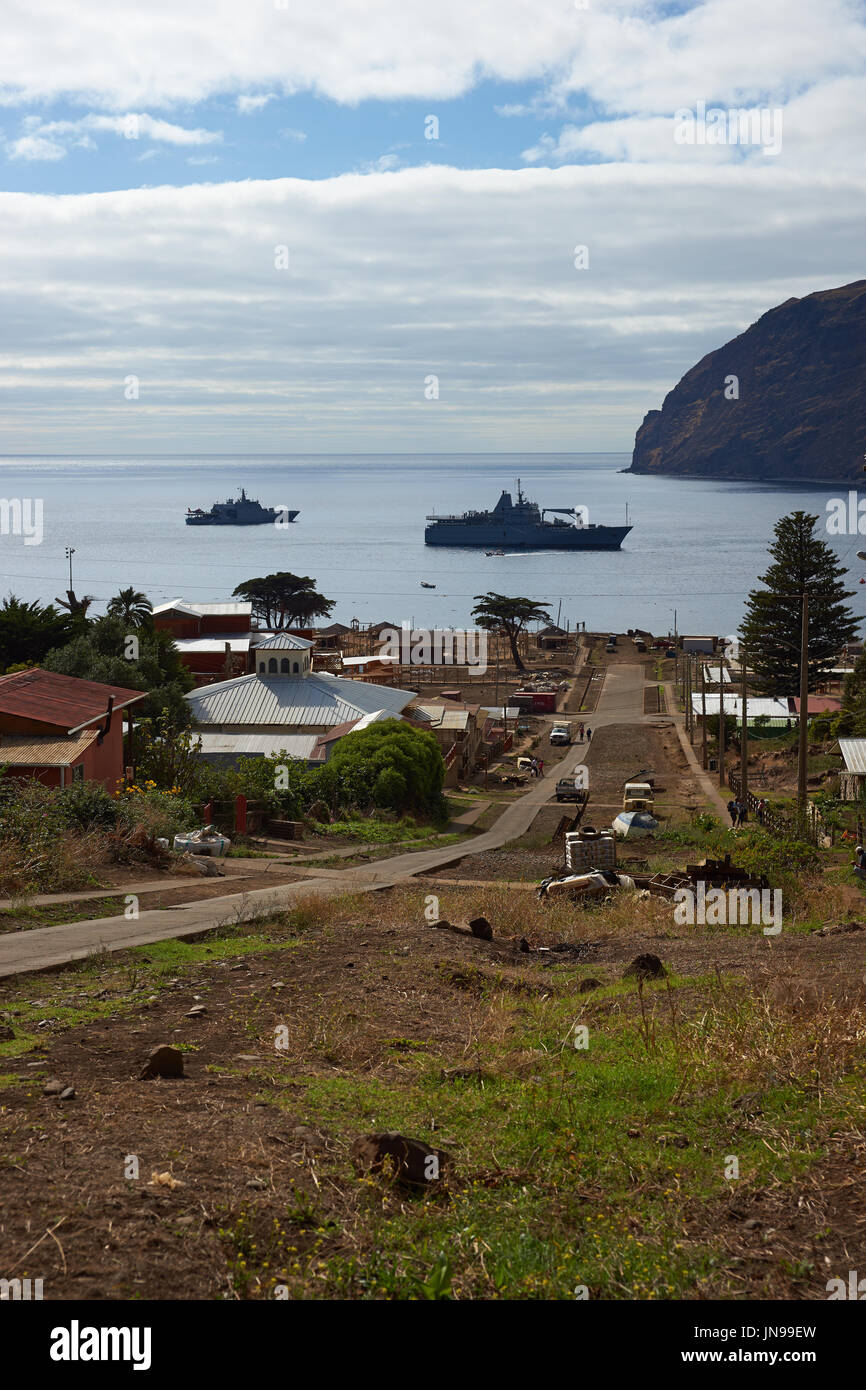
{"x": 88, "y": 806}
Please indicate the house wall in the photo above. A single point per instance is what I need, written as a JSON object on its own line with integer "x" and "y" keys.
{"x": 214, "y": 624}
{"x": 48, "y": 776}
{"x": 178, "y": 627}
{"x": 105, "y": 762}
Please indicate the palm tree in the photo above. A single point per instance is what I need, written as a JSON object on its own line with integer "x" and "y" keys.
{"x": 131, "y": 606}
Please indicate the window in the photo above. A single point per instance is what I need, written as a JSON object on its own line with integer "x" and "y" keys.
{"x": 295, "y": 668}
{"x": 272, "y": 666}
{"x": 284, "y": 665}
{"x": 78, "y": 772}
{"x": 261, "y": 668}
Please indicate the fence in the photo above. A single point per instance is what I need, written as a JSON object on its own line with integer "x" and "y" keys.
{"x": 780, "y": 822}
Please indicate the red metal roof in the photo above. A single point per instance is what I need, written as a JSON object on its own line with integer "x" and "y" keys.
{"x": 818, "y": 704}
{"x": 66, "y": 701}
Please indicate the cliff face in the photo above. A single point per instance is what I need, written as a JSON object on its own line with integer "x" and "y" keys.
{"x": 801, "y": 411}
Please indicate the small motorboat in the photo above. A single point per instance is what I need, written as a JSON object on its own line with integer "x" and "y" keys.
{"x": 426, "y": 585}
{"x": 494, "y": 552}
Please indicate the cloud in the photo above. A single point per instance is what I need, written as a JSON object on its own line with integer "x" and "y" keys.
{"x": 133, "y": 125}
{"x": 248, "y": 104}
{"x": 289, "y": 134}
{"x": 35, "y": 147}
{"x": 648, "y": 63}
{"x": 467, "y": 274}
{"x": 383, "y": 165}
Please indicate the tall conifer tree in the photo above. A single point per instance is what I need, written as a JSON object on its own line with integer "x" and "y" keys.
{"x": 801, "y": 562}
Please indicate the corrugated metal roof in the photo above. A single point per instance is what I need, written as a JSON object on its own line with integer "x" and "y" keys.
{"x": 212, "y": 644}
{"x": 315, "y": 699}
{"x": 248, "y": 745}
{"x": 443, "y": 716}
{"x": 200, "y": 610}
{"x": 360, "y": 662}
{"x": 50, "y": 698}
{"x": 854, "y": 753}
{"x": 818, "y": 704}
{"x": 285, "y": 641}
{"x": 774, "y": 709}
{"x": 41, "y": 750}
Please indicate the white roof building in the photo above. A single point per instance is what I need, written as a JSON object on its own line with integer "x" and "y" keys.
{"x": 297, "y": 702}
{"x": 757, "y": 706}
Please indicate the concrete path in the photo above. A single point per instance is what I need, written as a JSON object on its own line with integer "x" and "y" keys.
{"x": 621, "y": 702}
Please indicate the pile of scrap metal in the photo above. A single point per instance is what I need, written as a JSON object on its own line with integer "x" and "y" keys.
{"x": 595, "y": 884}
{"x": 713, "y": 873}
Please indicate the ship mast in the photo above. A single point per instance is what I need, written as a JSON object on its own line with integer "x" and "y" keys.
{"x": 519, "y": 494}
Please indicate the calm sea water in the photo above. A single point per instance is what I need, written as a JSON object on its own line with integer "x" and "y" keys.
{"x": 696, "y": 546}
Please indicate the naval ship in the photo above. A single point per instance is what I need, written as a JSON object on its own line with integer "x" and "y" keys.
{"x": 521, "y": 524}
{"x": 240, "y": 511}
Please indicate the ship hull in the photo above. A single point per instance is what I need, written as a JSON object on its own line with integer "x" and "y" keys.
{"x": 208, "y": 520}
{"x": 488, "y": 534}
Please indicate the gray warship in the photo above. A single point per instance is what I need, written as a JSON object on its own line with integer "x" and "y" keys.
{"x": 237, "y": 511}
{"x": 522, "y": 525}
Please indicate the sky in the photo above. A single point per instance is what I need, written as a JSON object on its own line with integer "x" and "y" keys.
{"x": 396, "y": 226}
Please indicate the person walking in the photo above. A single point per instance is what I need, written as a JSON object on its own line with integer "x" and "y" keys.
{"x": 589, "y": 735}
{"x": 541, "y": 767}
{"x": 533, "y": 767}
{"x": 733, "y": 810}
{"x": 744, "y": 812}
{"x": 762, "y": 805}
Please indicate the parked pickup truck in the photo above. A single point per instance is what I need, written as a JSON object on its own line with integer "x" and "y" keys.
{"x": 560, "y": 733}
{"x": 567, "y": 791}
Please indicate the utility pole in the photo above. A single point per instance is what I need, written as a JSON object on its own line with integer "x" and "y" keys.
{"x": 721, "y": 733}
{"x": 687, "y": 695}
{"x": 804, "y": 713}
{"x": 70, "y": 551}
{"x": 703, "y": 719}
{"x": 744, "y": 734}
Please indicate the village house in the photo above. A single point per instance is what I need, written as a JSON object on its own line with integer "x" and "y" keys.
{"x": 59, "y": 729}
{"x": 283, "y": 705}
{"x": 213, "y": 639}
{"x": 852, "y": 776}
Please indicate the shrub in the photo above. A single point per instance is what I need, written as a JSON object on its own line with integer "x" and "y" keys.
{"x": 88, "y": 806}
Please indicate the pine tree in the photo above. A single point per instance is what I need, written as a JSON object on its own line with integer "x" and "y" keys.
{"x": 801, "y": 563}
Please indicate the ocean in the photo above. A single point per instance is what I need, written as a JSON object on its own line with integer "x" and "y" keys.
{"x": 697, "y": 546}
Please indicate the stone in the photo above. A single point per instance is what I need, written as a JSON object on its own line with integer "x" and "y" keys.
{"x": 673, "y": 1141}
{"x": 645, "y": 967}
{"x": 586, "y": 986}
{"x": 480, "y": 927}
{"x": 196, "y": 1011}
{"x": 163, "y": 1061}
{"x": 68, "y": 1093}
{"x": 407, "y": 1162}
{"x": 53, "y": 1088}
{"x": 7, "y": 1034}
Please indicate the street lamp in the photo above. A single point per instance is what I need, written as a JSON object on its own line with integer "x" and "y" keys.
{"x": 70, "y": 551}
